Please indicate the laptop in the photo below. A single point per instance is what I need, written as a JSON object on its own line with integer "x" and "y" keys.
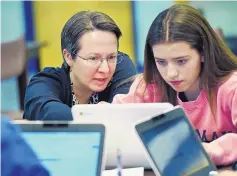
{"x": 66, "y": 148}
{"x": 119, "y": 120}
{"x": 173, "y": 146}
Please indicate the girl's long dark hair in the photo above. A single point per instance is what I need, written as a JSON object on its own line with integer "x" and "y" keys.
{"x": 184, "y": 23}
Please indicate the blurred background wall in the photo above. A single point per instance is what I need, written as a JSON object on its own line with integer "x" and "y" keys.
{"x": 50, "y": 18}
{"x": 42, "y": 22}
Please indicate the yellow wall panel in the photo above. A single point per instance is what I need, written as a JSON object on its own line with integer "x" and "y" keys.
{"x": 185, "y": 2}
{"x": 51, "y": 16}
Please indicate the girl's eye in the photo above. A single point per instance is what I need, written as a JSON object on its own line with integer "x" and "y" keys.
{"x": 181, "y": 61}
{"x": 161, "y": 62}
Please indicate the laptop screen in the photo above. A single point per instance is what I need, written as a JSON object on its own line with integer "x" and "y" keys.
{"x": 67, "y": 153}
{"x": 174, "y": 149}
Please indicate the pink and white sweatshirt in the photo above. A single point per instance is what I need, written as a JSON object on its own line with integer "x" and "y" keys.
{"x": 220, "y": 131}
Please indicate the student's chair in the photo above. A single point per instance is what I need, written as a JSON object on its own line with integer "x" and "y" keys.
{"x": 13, "y": 63}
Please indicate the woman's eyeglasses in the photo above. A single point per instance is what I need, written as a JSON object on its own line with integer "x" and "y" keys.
{"x": 96, "y": 60}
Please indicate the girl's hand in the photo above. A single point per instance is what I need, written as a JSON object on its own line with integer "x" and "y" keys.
{"x": 103, "y": 102}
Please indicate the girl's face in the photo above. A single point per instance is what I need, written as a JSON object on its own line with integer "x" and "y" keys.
{"x": 178, "y": 64}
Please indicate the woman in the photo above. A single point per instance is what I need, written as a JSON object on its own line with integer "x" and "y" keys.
{"x": 187, "y": 64}
{"x": 93, "y": 69}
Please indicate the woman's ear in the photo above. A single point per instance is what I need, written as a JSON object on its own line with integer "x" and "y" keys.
{"x": 68, "y": 57}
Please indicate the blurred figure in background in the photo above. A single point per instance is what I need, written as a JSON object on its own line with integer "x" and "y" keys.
{"x": 17, "y": 158}
{"x": 230, "y": 41}
{"x": 220, "y": 34}
{"x": 93, "y": 69}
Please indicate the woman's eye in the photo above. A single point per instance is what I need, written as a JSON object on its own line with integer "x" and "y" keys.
{"x": 112, "y": 57}
{"x": 93, "y": 58}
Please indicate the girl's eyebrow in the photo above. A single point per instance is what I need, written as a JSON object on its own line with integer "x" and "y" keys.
{"x": 180, "y": 57}
{"x": 158, "y": 58}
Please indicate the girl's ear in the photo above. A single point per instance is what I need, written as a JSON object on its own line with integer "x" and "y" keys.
{"x": 68, "y": 57}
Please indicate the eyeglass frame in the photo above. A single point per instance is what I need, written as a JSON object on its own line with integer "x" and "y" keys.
{"x": 101, "y": 60}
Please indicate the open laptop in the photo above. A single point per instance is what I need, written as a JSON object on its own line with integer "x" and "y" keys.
{"x": 67, "y": 148}
{"x": 119, "y": 120}
{"x": 173, "y": 146}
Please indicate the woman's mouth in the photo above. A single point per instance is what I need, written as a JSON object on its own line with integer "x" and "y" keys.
{"x": 100, "y": 81}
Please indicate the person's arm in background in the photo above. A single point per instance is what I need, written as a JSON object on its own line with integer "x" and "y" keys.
{"x": 43, "y": 99}
{"x": 17, "y": 158}
{"x": 125, "y": 69}
{"x": 223, "y": 151}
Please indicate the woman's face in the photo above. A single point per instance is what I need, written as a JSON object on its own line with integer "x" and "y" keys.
{"x": 95, "y": 62}
{"x": 178, "y": 64}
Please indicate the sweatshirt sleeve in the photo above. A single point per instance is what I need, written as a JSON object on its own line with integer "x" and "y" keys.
{"x": 223, "y": 151}
{"x": 43, "y": 99}
{"x": 139, "y": 92}
{"x": 132, "y": 96}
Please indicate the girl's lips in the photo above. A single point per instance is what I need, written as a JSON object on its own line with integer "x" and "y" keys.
{"x": 176, "y": 83}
